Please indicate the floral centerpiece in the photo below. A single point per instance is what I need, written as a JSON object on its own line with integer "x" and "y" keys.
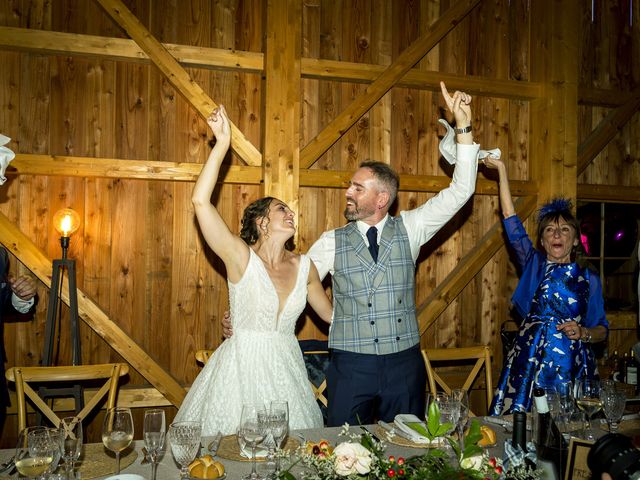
{"x": 362, "y": 456}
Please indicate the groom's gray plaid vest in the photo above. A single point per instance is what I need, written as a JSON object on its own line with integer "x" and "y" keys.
{"x": 374, "y": 303}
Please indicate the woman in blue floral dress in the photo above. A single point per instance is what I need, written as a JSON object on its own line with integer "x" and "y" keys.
{"x": 559, "y": 301}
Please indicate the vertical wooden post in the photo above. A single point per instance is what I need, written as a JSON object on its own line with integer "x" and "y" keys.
{"x": 281, "y": 104}
{"x": 554, "y": 63}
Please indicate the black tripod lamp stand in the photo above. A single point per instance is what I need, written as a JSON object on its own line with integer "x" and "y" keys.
{"x": 66, "y": 222}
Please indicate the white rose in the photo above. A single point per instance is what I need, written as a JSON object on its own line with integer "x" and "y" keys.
{"x": 474, "y": 462}
{"x": 351, "y": 458}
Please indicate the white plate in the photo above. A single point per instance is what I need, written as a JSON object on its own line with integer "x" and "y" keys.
{"x": 126, "y": 476}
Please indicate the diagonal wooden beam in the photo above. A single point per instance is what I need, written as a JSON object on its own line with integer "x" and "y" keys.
{"x": 394, "y": 72}
{"x": 468, "y": 268}
{"x": 177, "y": 76}
{"x": 606, "y": 130}
{"x": 35, "y": 260}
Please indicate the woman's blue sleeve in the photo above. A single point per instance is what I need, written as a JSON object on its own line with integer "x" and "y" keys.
{"x": 595, "y": 312}
{"x": 518, "y": 239}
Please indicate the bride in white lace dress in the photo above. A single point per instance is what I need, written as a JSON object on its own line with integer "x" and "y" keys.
{"x": 268, "y": 289}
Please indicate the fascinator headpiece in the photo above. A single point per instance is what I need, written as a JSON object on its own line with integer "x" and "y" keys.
{"x": 557, "y": 206}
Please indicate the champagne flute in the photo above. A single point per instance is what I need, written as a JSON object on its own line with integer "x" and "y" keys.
{"x": 184, "y": 438}
{"x": 32, "y": 457}
{"x": 613, "y": 405}
{"x": 588, "y": 400}
{"x": 460, "y": 395}
{"x": 279, "y": 411}
{"x": 154, "y": 431}
{"x": 117, "y": 431}
{"x": 71, "y": 446}
{"x": 251, "y": 432}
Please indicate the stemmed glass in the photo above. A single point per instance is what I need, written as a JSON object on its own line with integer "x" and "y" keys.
{"x": 71, "y": 446}
{"x": 251, "y": 432}
{"x": 33, "y": 455}
{"x": 117, "y": 431}
{"x": 588, "y": 400}
{"x": 55, "y": 439}
{"x": 184, "y": 438}
{"x": 154, "y": 431}
{"x": 613, "y": 405}
{"x": 460, "y": 395}
{"x": 279, "y": 426}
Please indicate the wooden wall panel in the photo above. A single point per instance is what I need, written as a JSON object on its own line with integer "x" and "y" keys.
{"x": 140, "y": 253}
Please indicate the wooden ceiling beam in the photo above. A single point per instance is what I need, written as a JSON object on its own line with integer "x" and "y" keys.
{"x": 608, "y": 193}
{"x": 124, "y": 49}
{"x": 468, "y": 268}
{"x": 177, "y": 75}
{"x": 35, "y": 260}
{"x": 606, "y": 130}
{"x": 89, "y": 167}
{"x": 391, "y": 75}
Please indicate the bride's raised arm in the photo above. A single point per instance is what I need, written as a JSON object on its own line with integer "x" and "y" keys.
{"x": 233, "y": 251}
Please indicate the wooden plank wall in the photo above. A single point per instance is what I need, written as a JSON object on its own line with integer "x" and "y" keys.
{"x": 139, "y": 253}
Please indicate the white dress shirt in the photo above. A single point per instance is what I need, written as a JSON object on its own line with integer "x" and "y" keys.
{"x": 421, "y": 223}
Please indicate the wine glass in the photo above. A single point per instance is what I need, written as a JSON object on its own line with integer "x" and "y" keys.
{"x": 251, "y": 432}
{"x": 460, "y": 395}
{"x": 117, "y": 431}
{"x": 613, "y": 405}
{"x": 33, "y": 455}
{"x": 56, "y": 439}
{"x": 184, "y": 438}
{"x": 154, "y": 431}
{"x": 449, "y": 411}
{"x": 71, "y": 446}
{"x": 588, "y": 400}
{"x": 279, "y": 412}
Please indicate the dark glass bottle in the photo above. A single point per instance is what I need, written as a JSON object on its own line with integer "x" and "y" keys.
{"x": 551, "y": 447}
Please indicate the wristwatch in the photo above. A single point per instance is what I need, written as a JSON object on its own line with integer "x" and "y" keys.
{"x": 587, "y": 335}
{"x": 466, "y": 129}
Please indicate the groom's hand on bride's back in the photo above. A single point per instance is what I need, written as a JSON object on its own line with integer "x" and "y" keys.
{"x": 227, "y": 330}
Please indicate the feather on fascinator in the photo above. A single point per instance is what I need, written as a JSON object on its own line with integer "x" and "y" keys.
{"x": 555, "y": 206}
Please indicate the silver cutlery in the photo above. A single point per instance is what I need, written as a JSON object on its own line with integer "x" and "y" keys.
{"x": 214, "y": 444}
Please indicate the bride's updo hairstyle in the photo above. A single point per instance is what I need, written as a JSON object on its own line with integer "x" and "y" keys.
{"x": 260, "y": 208}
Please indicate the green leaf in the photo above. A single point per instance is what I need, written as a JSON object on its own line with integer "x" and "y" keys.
{"x": 286, "y": 476}
{"x": 433, "y": 421}
{"x": 418, "y": 427}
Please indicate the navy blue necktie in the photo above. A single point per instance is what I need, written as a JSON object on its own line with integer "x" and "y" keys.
{"x": 372, "y": 236}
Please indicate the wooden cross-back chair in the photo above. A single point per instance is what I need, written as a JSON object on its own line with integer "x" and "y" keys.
{"x": 75, "y": 374}
{"x": 454, "y": 357}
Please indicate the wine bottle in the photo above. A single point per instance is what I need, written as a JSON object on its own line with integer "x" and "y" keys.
{"x": 614, "y": 366}
{"x": 623, "y": 368}
{"x": 519, "y": 436}
{"x": 631, "y": 370}
{"x": 551, "y": 447}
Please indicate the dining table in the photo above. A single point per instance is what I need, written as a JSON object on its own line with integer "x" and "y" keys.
{"x": 97, "y": 462}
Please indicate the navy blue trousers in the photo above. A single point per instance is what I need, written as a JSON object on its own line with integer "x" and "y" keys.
{"x": 362, "y": 389}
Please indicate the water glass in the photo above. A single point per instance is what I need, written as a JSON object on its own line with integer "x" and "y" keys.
{"x": 184, "y": 438}
{"x": 71, "y": 448}
{"x": 613, "y": 405}
{"x": 153, "y": 432}
{"x": 117, "y": 431}
{"x": 279, "y": 427}
{"x": 462, "y": 397}
{"x": 252, "y": 432}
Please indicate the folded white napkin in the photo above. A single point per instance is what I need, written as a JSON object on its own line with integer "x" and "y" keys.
{"x": 403, "y": 421}
{"x": 6, "y": 155}
{"x": 448, "y": 150}
{"x": 245, "y": 450}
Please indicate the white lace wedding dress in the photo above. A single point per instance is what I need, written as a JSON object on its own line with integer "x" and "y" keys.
{"x": 262, "y": 361}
